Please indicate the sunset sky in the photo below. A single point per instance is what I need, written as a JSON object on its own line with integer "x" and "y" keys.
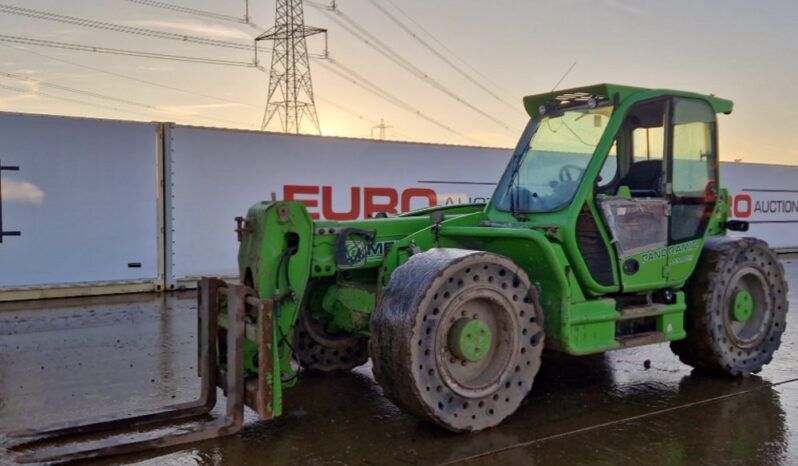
{"x": 736, "y": 49}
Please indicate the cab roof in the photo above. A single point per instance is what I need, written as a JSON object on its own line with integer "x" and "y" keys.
{"x": 612, "y": 92}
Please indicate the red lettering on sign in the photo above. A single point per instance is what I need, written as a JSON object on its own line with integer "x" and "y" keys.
{"x": 410, "y": 193}
{"x": 372, "y": 206}
{"x": 291, "y": 191}
{"x": 327, "y": 208}
{"x": 363, "y": 202}
{"x": 743, "y": 205}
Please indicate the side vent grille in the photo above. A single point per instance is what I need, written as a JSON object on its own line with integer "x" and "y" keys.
{"x": 593, "y": 248}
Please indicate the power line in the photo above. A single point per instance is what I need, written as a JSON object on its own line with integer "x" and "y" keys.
{"x": 67, "y": 99}
{"x": 358, "y": 80}
{"x": 443, "y": 46}
{"x": 196, "y": 12}
{"x": 184, "y": 91}
{"x": 435, "y": 52}
{"x": 318, "y": 5}
{"x": 107, "y": 97}
{"x": 360, "y": 77}
{"x": 71, "y": 89}
{"x": 130, "y": 78}
{"x": 85, "y": 22}
{"x": 344, "y": 109}
{"x": 374, "y": 42}
{"x": 376, "y": 91}
{"x": 181, "y": 58}
{"x": 129, "y": 53}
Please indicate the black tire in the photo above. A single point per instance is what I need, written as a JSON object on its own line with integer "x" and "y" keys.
{"x": 720, "y": 339}
{"x": 427, "y": 304}
{"x": 316, "y": 349}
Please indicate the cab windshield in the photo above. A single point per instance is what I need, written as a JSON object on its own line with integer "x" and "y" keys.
{"x": 551, "y": 158}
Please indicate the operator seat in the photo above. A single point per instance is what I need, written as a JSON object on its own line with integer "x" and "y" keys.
{"x": 643, "y": 178}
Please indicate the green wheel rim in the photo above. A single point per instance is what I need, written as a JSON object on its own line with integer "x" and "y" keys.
{"x": 750, "y": 308}
{"x": 743, "y": 307}
{"x": 470, "y": 339}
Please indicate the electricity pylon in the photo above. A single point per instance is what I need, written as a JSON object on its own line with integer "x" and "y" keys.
{"x": 290, "y": 94}
{"x": 381, "y": 128}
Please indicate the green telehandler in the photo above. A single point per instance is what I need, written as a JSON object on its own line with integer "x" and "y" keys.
{"x": 607, "y": 230}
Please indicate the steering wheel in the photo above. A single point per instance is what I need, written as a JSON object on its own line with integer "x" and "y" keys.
{"x": 524, "y": 199}
{"x": 566, "y": 172}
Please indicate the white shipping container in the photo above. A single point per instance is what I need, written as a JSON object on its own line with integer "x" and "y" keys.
{"x": 215, "y": 175}
{"x": 766, "y": 196}
{"x": 218, "y": 174}
{"x": 84, "y": 199}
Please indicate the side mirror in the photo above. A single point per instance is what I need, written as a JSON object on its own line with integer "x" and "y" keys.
{"x": 737, "y": 225}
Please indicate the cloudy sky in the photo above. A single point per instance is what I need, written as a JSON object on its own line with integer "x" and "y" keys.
{"x": 737, "y": 49}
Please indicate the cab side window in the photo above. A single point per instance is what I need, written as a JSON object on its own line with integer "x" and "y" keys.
{"x": 648, "y": 143}
{"x": 609, "y": 170}
{"x": 640, "y": 223}
{"x": 645, "y": 126}
{"x": 694, "y": 169}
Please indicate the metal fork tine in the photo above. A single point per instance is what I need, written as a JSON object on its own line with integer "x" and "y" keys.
{"x": 220, "y": 427}
{"x": 227, "y": 424}
{"x": 208, "y": 324}
{"x": 87, "y": 426}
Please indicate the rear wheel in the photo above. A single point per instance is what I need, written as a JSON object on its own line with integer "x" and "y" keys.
{"x": 737, "y": 306}
{"x": 457, "y": 337}
{"x": 316, "y": 348}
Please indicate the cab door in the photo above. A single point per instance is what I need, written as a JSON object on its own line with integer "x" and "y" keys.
{"x": 692, "y": 183}
{"x": 636, "y": 210}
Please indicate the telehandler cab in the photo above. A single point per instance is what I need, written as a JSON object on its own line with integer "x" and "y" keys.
{"x": 607, "y": 230}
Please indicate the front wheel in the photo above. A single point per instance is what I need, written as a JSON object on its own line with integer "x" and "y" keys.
{"x": 317, "y": 349}
{"x": 457, "y": 338}
{"x": 737, "y": 308}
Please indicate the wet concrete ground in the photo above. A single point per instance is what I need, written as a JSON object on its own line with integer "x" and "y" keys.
{"x": 69, "y": 359}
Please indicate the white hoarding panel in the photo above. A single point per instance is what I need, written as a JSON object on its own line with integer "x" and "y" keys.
{"x": 85, "y": 195}
{"x": 84, "y": 199}
{"x": 766, "y": 196}
{"x": 216, "y": 175}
